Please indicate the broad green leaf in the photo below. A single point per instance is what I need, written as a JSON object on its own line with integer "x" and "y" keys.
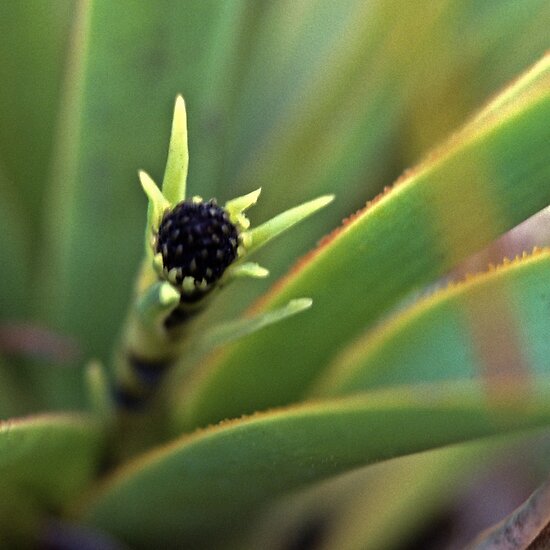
{"x": 482, "y": 182}
{"x": 495, "y": 323}
{"x": 49, "y": 458}
{"x": 127, "y": 68}
{"x": 204, "y": 485}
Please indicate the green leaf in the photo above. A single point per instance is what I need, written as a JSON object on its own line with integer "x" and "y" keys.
{"x": 235, "y": 330}
{"x": 175, "y": 174}
{"x": 157, "y": 204}
{"x": 232, "y": 331}
{"x": 50, "y": 458}
{"x": 240, "y": 204}
{"x": 204, "y": 485}
{"x": 482, "y": 182}
{"x": 494, "y": 324}
{"x": 262, "y": 234}
{"x": 156, "y": 302}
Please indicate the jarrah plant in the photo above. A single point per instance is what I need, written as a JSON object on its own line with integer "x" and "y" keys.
{"x": 268, "y": 429}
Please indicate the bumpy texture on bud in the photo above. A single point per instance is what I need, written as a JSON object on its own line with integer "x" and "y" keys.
{"x": 197, "y": 240}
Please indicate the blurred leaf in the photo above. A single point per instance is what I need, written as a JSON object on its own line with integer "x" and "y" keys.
{"x": 13, "y": 399}
{"x": 50, "y": 458}
{"x": 15, "y": 251}
{"x": 64, "y": 535}
{"x": 526, "y": 528}
{"x": 494, "y": 324}
{"x": 381, "y": 507}
{"x": 19, "y": 519}
{"x": 33, "y": 41}
{"x": 484, "y": 181}
{"x": 204, "y": 485}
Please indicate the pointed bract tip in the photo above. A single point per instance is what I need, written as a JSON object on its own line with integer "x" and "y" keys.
{"x": 154, "y": 194}
{"x": 239, "y": 204}
{"x": 146, "y": 181}
{"x": 180, "y": 112}
{"x": 248, "y": 269}
{"x": 299, "y": 304}
{"x": 180, "y": 102}
{"x": 328, "y": 198}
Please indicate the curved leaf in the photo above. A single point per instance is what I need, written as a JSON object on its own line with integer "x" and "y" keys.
{"x": 373, "y": 508}
{"x": 207, "y": 484}
{"x": 485, "y": 180}
{"x": 494, "y": 324}
{"x": 50, "y": 458}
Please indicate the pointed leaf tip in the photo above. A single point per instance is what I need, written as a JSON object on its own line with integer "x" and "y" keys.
{"x": 240, "y": 204}
{"x": 157, "y": 203}
{"x": 299, "y": 304}
{"x": 260, "y": 235}
{"x": 247, "y": 269}
{"x": 175, "y": 175}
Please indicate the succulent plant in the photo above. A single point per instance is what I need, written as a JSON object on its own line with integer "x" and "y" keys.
{"x": 349, "y": 402}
